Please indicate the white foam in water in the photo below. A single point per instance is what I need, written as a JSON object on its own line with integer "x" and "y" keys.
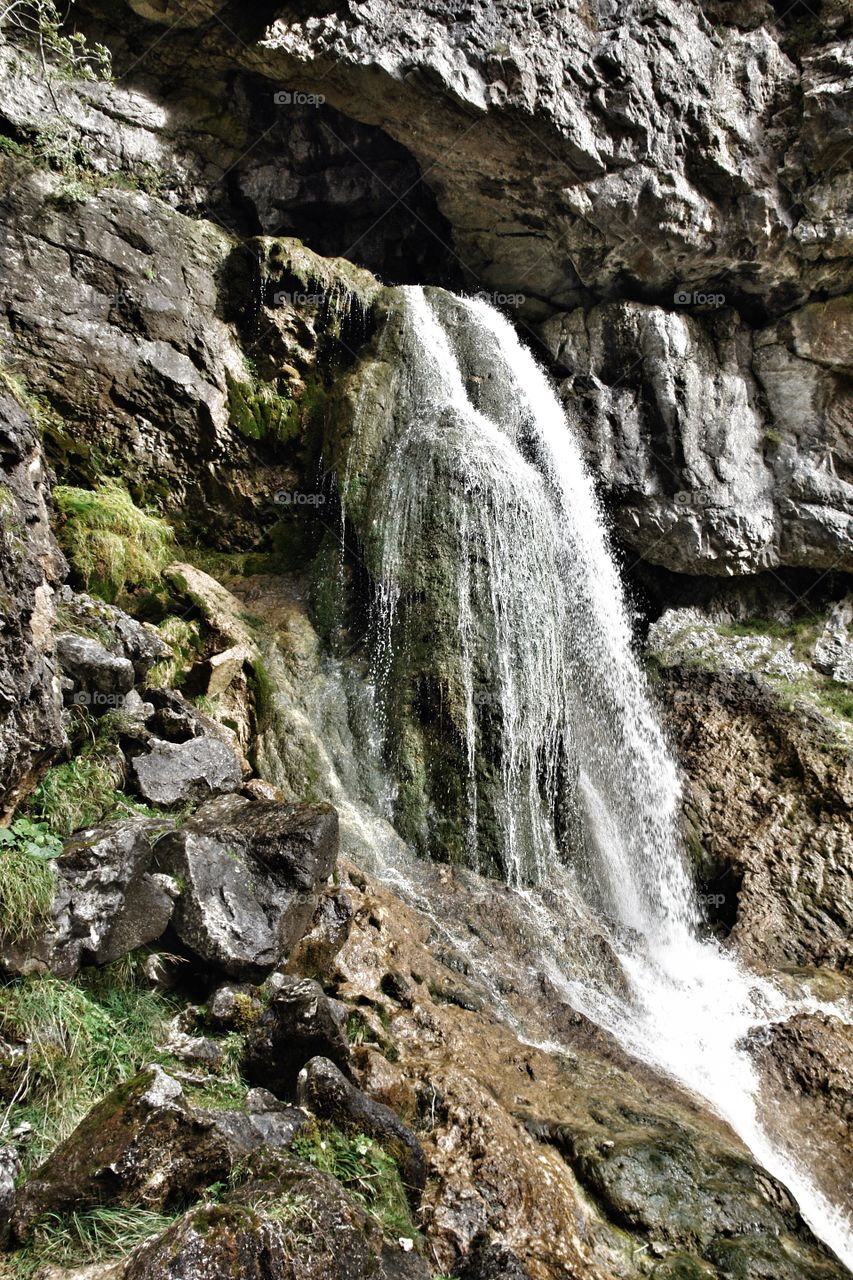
{"x": 541, "y": 611}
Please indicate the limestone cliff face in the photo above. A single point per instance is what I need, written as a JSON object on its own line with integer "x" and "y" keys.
{"x": 661, "y": 192}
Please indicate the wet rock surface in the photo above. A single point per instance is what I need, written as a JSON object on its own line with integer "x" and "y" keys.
{"x": 809, "y": 1060}
{"x": 768, "y": 816}
{"x": 325, "y": 1090}
{"x": 660, "y": 193}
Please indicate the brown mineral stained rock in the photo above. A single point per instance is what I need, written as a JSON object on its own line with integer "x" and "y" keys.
{"x": 545, "y": 1154}
{"x": 806, "y": 1066}
{"x": 770, "y": 805}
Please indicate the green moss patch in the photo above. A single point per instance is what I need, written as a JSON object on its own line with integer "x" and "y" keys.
{"x": 111, "y": 543}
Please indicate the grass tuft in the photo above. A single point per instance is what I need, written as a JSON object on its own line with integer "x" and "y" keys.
{"x": 111, "y": 543}
{"x": 79, "y": 793}
{"x": 366, "y": 1170}
{"x": 88, "y": 1236}
{"x": 27, "y": 880}
{"x": 184, "y": 636}
{"x": 81, "y": 1040}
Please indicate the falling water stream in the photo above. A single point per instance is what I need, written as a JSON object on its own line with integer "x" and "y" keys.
{"x": 541, "y": 625}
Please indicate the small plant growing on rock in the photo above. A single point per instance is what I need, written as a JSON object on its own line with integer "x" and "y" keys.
{"x": 366, "y": 1170}
{"x": 40, "y": 23}
{"x": 27, "y": 881}
{"x": 112, "y": 543}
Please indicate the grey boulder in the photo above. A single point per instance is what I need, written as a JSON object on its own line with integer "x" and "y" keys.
{"x": 107, "y": 903}
{"x": 170, "y": 774}
{"x": 250, "y": 875}
{"x": 139, "y": 642}
{"x": 98, "y": 679}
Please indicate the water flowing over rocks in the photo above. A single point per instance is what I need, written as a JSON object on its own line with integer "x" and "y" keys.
{"x": 386, "y": 893}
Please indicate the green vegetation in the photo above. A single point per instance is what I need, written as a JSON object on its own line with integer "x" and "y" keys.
{"x": 78, "y": 793}
{"x": 366, "y": 1170}
{"x": 264, "y": 693}
{"x": 185, "y": 637}
{"x": 111, "y": 543}
{"x": 223, "y": 565}
{"x": 226, "y": 1090}
{"x": 85, "y": 790}
{"x": 40, "y": 24}
{"x": 92, "y": 1235}
{"x": 801, "y": 632}
{"x": 82, "y": 1038}
{"x": 27, "y": 881}
{"x": 357, "y": 1029}
{"x": 259, "y": 412}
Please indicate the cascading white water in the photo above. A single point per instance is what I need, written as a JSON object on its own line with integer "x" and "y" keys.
{"x": 492, "y": 467}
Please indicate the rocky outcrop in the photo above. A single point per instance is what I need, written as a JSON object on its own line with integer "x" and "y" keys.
{"x": 326, "y": 1091}
{"x": 31, "y": 566}
{"x": 689, "y": 207}
{"x": 142, "y": 1145}
{"x": 300, "y": 1226}
{"x": 806, "y": 1062}
{"x": 651, "y": 135}
{"x": 300, "y": 1023}
{"x": 137, "y": 642}
{"x": 95, "y": 678}
{"x": 135, "y": 322}
{"x": 724, "y": 450}
{"x": 770, "y": 787}
{"x": 541, "y": 1156}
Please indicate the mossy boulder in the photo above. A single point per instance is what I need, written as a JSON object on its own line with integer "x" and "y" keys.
{"x": 143, "y": 1145}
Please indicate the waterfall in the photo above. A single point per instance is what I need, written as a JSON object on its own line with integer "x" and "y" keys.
{"x": 539, "y": 613}
{"x": 485, "y": 529}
